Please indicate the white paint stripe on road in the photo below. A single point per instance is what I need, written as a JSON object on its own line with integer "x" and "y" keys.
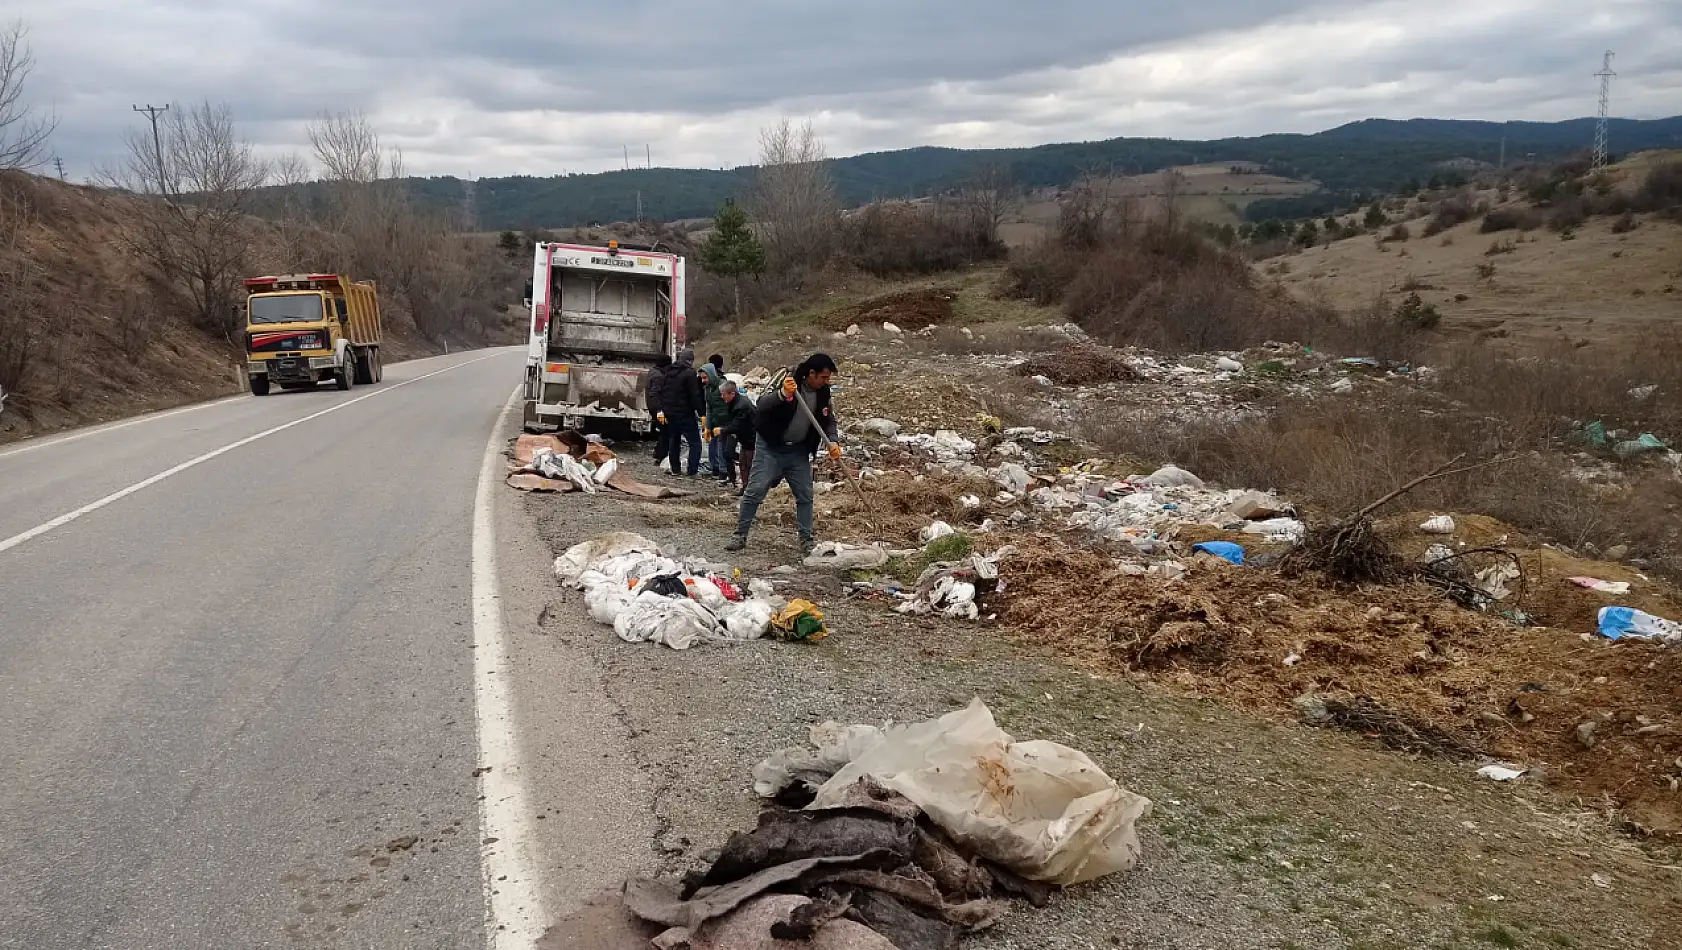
{"x": 33, "y": 444}
{"x": 514, "y": 913}
{"x": 120, "y": 494}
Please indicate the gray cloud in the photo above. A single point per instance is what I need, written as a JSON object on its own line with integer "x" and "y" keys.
{"x": 510, "y": 86}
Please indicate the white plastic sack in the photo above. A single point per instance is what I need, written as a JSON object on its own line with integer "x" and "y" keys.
{"x": 1227, "y": 364}
{"x": 936, "y": 531}
{"x": 1040, "y": 808}
{"x": 834, "y": 745}
{"x": 1172, "y": 476}
{"x": 607, "y": 601}
{"x": 1438, "y": 524}
{"x": 676, "y": 622}
{"x": 1012, "y": 478}
{"x": 847, "y": 557}
{"x": 605, "y": 471}
{"x": 580, "y": 557}
{"x": 1278, "y": 529}
{"x": 708, "y": 594}
{"x": 748, "y": 620}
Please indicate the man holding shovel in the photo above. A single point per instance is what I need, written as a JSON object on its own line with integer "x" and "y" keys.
{"x": 794, "y": 420}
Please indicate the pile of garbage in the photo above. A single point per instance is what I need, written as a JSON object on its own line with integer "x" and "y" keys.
{"x": 646, "y": 595}
{"x": 1142, "y": 510}
{"x": 571, "y": 461}
{"x": 907, "y": 837}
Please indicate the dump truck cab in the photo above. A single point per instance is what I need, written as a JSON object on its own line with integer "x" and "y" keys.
{"x": 303, "y": 329}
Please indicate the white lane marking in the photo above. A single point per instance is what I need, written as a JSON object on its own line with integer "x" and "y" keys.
{"x": 514, "y": 917}
{"x": 30, "y": 445}
{"x": 33, "y": 444}
{"x": 120, "y": 494}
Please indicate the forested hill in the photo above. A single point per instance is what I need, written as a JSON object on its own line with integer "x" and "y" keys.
{"x": 1372, "y": 155}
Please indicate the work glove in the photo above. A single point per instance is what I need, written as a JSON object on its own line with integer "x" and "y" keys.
{"x": 835, "y": 451}
{"x": 789, "y": 388}
{"x": 661, "y": 416}
{"x": 717, "y": 433}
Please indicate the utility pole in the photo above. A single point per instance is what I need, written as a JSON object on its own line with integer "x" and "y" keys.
{"x": 58, "y": 163}
{"x": 152, "y": 112}
{"x": 648, "y": 156}
{"x": 1598, "y": 163}
{"x": 627, "y": 149}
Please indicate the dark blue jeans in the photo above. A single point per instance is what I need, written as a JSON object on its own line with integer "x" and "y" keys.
{"x": 715, "y": 455}
{"x": 772, "y": 464}
{"x": 682, "y": 427}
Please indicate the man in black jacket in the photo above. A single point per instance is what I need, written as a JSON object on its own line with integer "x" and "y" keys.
{"x": 785, "y": 442}
{"x": 733, "y": 427}
{"x": 683, "y": 403}
{"x": 657, "y": 413}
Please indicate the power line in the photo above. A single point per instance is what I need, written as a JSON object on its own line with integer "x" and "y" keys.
{"x": 1597, "y": 163}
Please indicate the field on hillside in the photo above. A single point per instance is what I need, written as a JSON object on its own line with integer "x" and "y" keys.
{"x": 1213, "y": 193}
{"x": 1595, "y": 283}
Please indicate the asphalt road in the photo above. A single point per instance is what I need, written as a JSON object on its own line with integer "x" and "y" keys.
{"x": 237, "y": 703}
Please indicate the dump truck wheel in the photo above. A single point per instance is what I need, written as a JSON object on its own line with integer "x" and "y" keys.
{"x": 345, "y": 376}
{"x": 364, "y": 368}
{"x": 259, "y": 385}
{"x": 379, "y": 365}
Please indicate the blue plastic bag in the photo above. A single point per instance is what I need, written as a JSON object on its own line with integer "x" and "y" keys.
{"x": 1225, "y": 550}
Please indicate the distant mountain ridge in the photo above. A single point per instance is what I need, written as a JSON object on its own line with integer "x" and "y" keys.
{"x": 1372, "y": 155}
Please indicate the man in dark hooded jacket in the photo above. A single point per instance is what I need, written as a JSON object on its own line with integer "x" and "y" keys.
{"x": 683, "y": 402}
{"x": 785, "y": 441}
{"x": 657, "y": 413}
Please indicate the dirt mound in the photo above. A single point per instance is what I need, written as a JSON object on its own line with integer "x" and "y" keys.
{"x": 1080, "y": 366}
{"x": 1399, "y": 663}
{"x": 896, "y": 506}
{"x": 908, "y": 310}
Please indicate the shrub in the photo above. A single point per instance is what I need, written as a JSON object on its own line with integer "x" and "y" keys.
{"x": 1662, "y": 191}
{"x": 1568, "y": 213}
{"x": 1450, "y": 212}
{"x": 1626, "y": 223}
{"x": 1510, "y": 219}
{"x": 1397, "y": 232}
{"x": 1486, "y": 271}
{"x": 895, "y": 239}
{"x": 1500, "y": 247}
{"x": 1416, "y": 314}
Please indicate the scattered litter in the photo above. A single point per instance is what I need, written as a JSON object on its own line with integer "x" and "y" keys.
{"x": 970, "y": 501}
{"x": 1600, "y": 880}
{"x": 951, "y": 587}
{"x": 1286, "y": 530}
{"x": 1605, "y": 587}
{"x": 1436, "y": 552}
{"x": 1293, "y": 659}
{"x": 1618, "y": 623}
{"x": 1225, "y": 550}
{"x": 836, "y": 555}
{"x": 1013, "y": 478}
{"x": 885, "y": 428}
{"x": 800, "y": 620}
{"x": 891, "y": 328}
{"x": 939, "y": 529}
{"x": 1257, "y": 506}
{"x": 1344, "y": 386}
{"x": 1438, "y": 524}
{"x": 1647, "y": 443}
{"x": 1501, "y": 773}
{"x": 1227, "y": 364}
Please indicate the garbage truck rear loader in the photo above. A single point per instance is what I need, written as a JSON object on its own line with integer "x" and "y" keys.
{"x": 600, "y": 317}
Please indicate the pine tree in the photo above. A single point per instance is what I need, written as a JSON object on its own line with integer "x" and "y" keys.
{"x": 732, "y": 250}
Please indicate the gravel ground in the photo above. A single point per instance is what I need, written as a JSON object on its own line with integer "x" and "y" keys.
{"x": 1265, "y": 834}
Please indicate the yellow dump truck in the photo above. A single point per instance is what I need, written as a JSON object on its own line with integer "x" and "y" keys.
{"x": 303, "y": 329}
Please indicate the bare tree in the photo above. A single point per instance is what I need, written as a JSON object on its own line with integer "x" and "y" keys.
{"x": 384, "y": 234}
{"x": 197, "y": 182}
{"x": 23, "y": 130}
{"x": 794, "y": 201}
{"x": 20, "y": 295}
{"x": 986, "y": 198}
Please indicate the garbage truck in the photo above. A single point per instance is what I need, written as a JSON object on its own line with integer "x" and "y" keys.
{"x": 304, "y": 329}
{"x": 600, "y": 317}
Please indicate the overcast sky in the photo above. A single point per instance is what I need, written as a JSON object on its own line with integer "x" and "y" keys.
{"x": 498, "y": 87}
